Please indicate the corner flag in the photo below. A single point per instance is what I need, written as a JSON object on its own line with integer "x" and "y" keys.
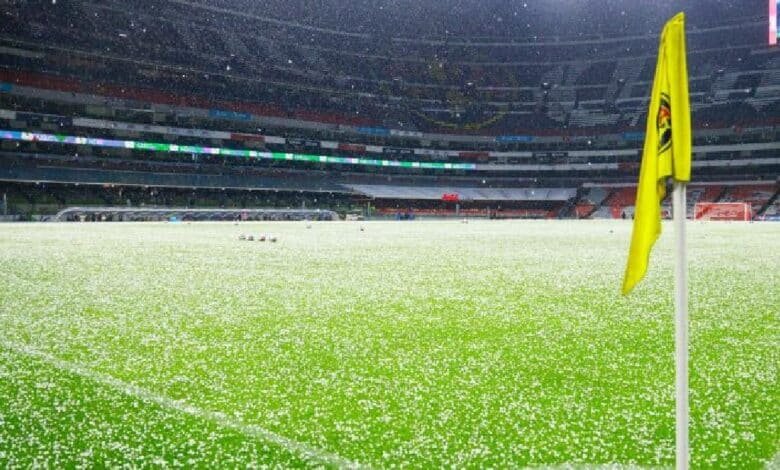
{"x": 667, "y": 149}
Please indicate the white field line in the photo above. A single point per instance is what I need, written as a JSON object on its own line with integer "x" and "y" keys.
{"x": 298, "y": 448}
{"x": 774, "y": 464}
{"x": 251, "y": 430}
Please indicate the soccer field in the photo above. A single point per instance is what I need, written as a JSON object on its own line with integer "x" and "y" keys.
{"x": 421, "y": 344}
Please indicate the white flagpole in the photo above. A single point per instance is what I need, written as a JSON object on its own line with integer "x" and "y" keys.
{"x": 681, "y": 327}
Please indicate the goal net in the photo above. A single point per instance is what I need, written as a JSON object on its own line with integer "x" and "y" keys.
{"x": 722, "y": 211}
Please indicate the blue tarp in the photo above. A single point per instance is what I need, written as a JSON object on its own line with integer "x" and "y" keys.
{"x": 374, "y": 130}
{"x": 634, "y": 136}
{"x": 232, "y": 115}
{"x": 515, "y": 138}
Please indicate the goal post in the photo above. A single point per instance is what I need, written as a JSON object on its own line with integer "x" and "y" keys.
{"x": 722, "y": 211}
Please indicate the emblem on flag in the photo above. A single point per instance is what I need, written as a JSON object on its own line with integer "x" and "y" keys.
{"x": 663, "y": 124}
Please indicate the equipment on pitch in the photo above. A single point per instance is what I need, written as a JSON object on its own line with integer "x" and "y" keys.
{"x": 667, "y": 153}
{"x": 722, "y": 211}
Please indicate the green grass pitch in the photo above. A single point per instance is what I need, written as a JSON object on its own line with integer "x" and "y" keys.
{"x": 422, "y": 344}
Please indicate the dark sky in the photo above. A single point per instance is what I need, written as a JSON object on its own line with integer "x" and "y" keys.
{"x": 499, "y": 18}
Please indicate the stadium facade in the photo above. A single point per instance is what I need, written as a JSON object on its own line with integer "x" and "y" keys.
{"x": 125, "y": 104}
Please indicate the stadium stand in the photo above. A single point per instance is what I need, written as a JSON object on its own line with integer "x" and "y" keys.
{"x": 466, "y": 194}
{"x": 757, "y": 195}
{"x": 136, "y": 99}
{"x": 620, "y": 200}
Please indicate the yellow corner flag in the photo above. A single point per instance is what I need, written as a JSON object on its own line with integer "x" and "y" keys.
{"x": 667, "y": 149}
